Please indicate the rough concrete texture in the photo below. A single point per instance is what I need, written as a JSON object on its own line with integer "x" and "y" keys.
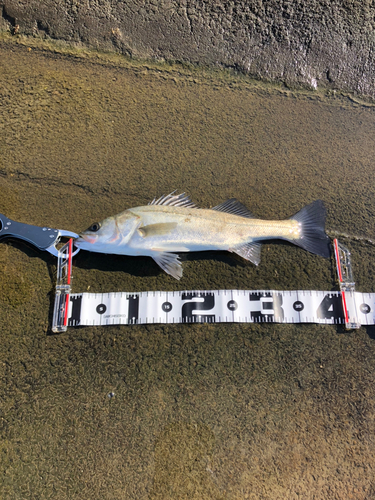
{"x": 200, "y": 411}
{"x": 298, "y": 42}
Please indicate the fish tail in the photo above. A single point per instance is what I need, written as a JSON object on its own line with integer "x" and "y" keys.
{"x": 313, "y": 237}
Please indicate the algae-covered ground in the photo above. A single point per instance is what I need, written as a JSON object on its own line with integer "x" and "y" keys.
{"x": 197, "y": 411}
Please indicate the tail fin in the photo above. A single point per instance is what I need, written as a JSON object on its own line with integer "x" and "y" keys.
{"x": 312, "y": 219}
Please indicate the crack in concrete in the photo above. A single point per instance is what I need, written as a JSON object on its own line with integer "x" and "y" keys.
{"x": 46, "y": 181}
{"x": 19, "y": 176}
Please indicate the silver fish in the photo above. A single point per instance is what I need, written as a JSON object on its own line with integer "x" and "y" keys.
{"x": 173, "y": 224}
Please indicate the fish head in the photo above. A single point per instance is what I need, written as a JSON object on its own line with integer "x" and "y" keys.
{"x": 104, "y": 236}
{"x": 99, "y": 234}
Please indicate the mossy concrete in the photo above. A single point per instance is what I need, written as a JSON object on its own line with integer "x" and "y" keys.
{"x": 211, "y": 411}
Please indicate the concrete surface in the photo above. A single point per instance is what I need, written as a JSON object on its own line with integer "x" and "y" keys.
{"x": 310, "y": 43}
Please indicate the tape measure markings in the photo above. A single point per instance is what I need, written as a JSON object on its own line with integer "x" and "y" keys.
{"x": 214, "y": 306}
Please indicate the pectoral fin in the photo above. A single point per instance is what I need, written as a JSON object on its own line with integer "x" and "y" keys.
{"x": 249, "y": 251}
{"x": 157, "y": 229}
{"x": 169, "y": 262}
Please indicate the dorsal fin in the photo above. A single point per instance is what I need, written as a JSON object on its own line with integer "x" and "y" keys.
{"x": 175, "y": 200}
{"x": 234, "y": 207}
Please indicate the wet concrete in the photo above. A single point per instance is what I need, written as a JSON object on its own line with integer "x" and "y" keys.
{"x": 199, "y": 411}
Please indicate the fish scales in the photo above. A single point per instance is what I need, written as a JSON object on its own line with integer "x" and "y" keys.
{"x": 214, "y": 230}
{"x": 173, "y": 224}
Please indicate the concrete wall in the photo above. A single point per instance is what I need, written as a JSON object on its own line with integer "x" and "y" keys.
{"x": 308, "y": 42}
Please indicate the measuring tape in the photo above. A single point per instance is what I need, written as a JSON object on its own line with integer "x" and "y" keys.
{"x": 346, "y": 306}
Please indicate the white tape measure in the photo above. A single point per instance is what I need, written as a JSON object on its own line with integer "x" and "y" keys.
{"x": 213, "y": 306}
{"x": 219, "y": 306}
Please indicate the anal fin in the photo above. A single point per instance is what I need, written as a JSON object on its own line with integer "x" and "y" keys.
{"x": 249, "y": 251}
{"x": 169, "y": 262}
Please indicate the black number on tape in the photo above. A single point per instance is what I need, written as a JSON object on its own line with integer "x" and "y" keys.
{"x": 266, "y": 306}
{"x": 167, "y": 307}
{"x": 188, "y": 308}
{"x": 298, "y": 306}
{"x": 331, "y": 307}
{"x": 232, "y": 305}
{"x": 133, "y": 309}
{"x": 101, "y": 308}
{"x": 75, "y": 317}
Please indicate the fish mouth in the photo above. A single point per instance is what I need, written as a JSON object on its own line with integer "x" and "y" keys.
{"x": 86, "y": 238}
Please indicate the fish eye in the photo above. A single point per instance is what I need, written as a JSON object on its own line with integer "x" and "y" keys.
{"x": 95, "y": 227}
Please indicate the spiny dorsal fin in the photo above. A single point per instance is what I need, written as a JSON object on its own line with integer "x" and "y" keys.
{"x": 174, "y": 200}
{"x": 234, "y": 207}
